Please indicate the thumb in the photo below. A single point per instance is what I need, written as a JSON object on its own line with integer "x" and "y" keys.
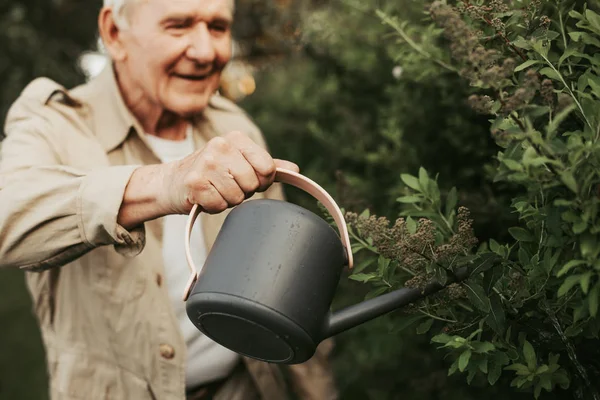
{"x": 286, "y": 165}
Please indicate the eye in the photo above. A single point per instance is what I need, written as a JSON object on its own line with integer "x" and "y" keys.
{"x": 179, "y": 24}
{"x": 219, "y": 27}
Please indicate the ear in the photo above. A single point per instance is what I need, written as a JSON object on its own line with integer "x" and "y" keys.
{"x": 111, "y": 35}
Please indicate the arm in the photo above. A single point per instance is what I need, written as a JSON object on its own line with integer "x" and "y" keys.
{"x": 53, "y": 214}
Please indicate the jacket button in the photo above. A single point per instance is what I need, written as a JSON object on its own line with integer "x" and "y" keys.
{"x": 159, "y": 280}
{"x": 167, "y": 351}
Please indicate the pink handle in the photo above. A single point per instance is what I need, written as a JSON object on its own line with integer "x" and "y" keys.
{"x": 290, "y": 178}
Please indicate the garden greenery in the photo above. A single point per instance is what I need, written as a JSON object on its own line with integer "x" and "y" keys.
{"x": 529, "y": 307}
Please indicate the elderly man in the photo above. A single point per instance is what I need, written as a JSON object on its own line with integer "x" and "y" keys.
{"x": 95, "y": 183}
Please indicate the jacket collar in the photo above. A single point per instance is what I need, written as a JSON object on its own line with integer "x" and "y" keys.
{"x": 113, "y": 122}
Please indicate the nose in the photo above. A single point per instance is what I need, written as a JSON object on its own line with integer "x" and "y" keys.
{"x": 201, "y": 48}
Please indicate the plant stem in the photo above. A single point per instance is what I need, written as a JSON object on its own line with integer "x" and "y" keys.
{"x": 564, "y": 36}
{"x": 572, "y": 354}
{"x": 436, "y": 317}
{"x": 393, "y": 24}
{"x": 562, "y": 79}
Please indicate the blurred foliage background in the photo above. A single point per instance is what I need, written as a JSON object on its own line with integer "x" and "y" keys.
{"x": 325, "y": 82}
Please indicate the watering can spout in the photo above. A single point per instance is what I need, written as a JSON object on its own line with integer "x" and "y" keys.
{"x": 340, "y": 321}
{"x": 349, "y": 317}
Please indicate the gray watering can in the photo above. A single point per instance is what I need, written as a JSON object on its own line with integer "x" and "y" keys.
{"x": 266, "y": 287}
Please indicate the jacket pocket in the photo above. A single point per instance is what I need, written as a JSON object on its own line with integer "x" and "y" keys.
{"x": 82, "y": 376}
{"x": 116, "y": 277}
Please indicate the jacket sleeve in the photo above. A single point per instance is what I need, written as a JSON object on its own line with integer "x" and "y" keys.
{"x": 52, "y": 214}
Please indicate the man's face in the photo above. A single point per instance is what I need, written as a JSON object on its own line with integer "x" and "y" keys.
{"x": 176, "y": 51}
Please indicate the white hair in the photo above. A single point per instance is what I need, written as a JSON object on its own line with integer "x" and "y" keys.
{"x": 118, "y": 8}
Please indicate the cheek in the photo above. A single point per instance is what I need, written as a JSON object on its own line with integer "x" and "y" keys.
{"x": 223, "y": 51}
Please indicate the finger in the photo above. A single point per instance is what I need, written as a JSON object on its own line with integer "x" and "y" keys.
{"x": 243, "y": 173}
{"x": 228, "y": 188}
{"x": 259, "y": 158}
{"x": 287, "y": 165}
{"x": 209, "y": 199}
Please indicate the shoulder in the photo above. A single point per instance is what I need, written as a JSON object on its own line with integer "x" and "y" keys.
{"x": 42, "y": 102}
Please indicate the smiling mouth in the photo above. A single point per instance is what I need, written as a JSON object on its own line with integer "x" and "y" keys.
{"x": 194, "y": 77}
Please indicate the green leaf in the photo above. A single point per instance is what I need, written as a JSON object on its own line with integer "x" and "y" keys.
{"x": 482, "y": 347}
{"x": 524, "y": 257}
{"x": 490, "y": 277}
{"x": 463, "y": 360}
{"x": 441, "y": 338}
{"x": 409, "y": 199}
{"x": 588, "y": 246}
{"x": 585, "y": 38}
{"x": 521, "y": 43}
{"x": 411, "y": 182}
{"x": 512, "y": 164}
{"x": 423, "y": 179}
{"x": 585, "y": 282}
{"x": 594, "y": 20}
{"x": 471, "y": 375}
{"x": 568, "y": 284}
{"x": 550, "y": 73}
{"x": 558, "y": 119}
{"x": 526, "y": 64}
{"x": 424, "y": 327}
{"x": 496, "y": 319}
{"x": 477, "y": 296}
{"x": 520, "y": 234}
{"x": 494, "y": 373}
{"x": 530, "y": 356}
{"x": 569, "y": 180}
{"x": 363, "y": 277}
{"x": 593, "y": 300}
{"x": 541, "y": 47}
{"x": 569, "y": 266}
{"x": 546, "y": 383}
{"x": 537, "y": 390}
{"x": 453, "y": 368}
{"x": 483, "y": 365}
{"x": 451, "y": 201}
{"x": 382, "y": 265}
{"x": 411, "y": 225}
{"x": 494, "y": 246}
{"x": 485, "y": 261}
{"x": 595, "y": 87}
{"x": 562, "y": 379}
{"x": 520, "y": 369}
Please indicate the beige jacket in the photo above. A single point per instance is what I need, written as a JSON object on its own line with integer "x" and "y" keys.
{"x": 98, "y": 289}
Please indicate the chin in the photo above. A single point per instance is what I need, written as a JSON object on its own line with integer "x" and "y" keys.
{"x": 189, "y": 108}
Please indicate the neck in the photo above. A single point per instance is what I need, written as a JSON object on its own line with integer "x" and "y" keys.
{"x": 154, "y": 119}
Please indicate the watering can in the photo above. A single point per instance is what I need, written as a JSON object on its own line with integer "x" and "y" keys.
{"x": 267, "y": 284}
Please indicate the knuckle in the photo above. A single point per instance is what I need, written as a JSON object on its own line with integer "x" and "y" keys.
{"x": 219, "y": 144}
{"x": 210, "y": 163}
{"x": 191, "y": 180}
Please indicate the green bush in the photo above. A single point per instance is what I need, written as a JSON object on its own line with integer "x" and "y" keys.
{"x": 528, "y": 309}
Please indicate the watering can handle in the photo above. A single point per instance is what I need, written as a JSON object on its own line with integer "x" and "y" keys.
{"x": 291, "y": 178}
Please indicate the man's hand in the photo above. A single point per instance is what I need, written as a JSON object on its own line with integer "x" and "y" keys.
{"x": 221, "y": 175}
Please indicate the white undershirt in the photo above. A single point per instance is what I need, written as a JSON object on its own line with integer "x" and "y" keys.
{"x": 206, "y": 360}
